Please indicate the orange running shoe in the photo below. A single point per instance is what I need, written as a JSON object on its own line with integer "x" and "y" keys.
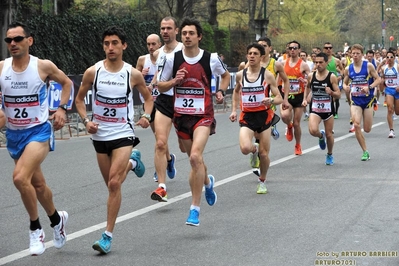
{"x": 298, "y": 149}
{"x": 160, "y": 195}
{"x": 375, "y": 107}
{"x": 385, "y": 104}
{"x": 289, "y": 135}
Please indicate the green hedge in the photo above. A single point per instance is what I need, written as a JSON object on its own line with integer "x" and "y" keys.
{"x": 73, "y": 40}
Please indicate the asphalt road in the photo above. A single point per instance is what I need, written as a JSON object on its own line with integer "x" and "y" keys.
{"x": 313, "y": 214}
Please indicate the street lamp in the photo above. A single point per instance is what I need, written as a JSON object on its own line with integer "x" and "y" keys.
{"x": 383, "y": 24}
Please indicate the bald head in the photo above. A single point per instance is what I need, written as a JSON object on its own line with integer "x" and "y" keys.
{"x": 153, "y": 43}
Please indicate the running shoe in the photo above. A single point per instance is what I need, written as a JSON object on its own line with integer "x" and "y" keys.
{"x": 352, "y": 129}
{"x": 365, "y": 156}
{"x": 336, "y": 116}
{"x": 329, "y": 159}
{"x": 155, "y": 177}
{"x": 375, "y": 106}
{"x": 306, "y": 118}
{"x": 104, "y": 244}
{"x": 322, "y": 140}
{"x": 193, "y": 218}
{"x": 298, "y": 149}
{"x": 159, "y": 194}
{"x": 391, "y": 134}
{"x": 210, "y": 194}
{"x": 275, "y": 133}
{"x": 254, "y": 157}
{"x": 385, "y": 104}
{"x": 36, "y": 244}
{"x": 59, "y": 233}
{"x": 256, "y": 172}
{"x": 261, "y": 188}
{"x": 289, "y": 134}
{"x": 170, "y": 169}
{"x": 139, "y": 170}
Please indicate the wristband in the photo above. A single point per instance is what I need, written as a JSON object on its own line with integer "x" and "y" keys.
{"x": 85, "y": 120}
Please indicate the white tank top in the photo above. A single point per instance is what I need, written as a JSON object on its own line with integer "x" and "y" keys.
{"x": 113, "y": 103}
{"x": 161, "y": 60}
{"x": 24, "y": 94}
{"x": 150, "y": 75}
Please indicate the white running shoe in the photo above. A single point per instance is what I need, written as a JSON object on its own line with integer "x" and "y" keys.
{"x": 391, "y": 134}
{"x": 36, "y": 245}
{"x": 59, "y": 233}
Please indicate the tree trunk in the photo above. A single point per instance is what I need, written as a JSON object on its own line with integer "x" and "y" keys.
{"x": 213, "y": 12}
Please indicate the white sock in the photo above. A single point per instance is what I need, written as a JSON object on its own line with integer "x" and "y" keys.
{"x": 108, "y": 233}
{"x": 209, "y": 184}
{"x": 134, "y": 163}
{"x": 162, "y": 185}
{"x": 197, "y": 208}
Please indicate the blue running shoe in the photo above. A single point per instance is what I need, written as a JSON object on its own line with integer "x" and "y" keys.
{"x": 210, "y": 194}
{"x": 275, "y": 133}
{"x": 322, "y": 140}
{"x": 329, "y": 159}
{"x": 155, "y": 177}
{"x": 103, "y": 245}
{"x": 171, "y": 170}
{"x": 139, "y": 170}
{"x": 193, "y": 218}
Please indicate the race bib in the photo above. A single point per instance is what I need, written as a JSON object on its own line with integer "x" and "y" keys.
{"x": 189, "y": 100}
{"x": 252, "y": 97}
{"x": 110, "y": 110}
{"x": 22, "y": 110}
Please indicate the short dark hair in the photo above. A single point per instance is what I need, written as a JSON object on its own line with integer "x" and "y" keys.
{"x": 187, "y": 21}
{"x": 266, "y": 40}
{"x": 171, "y": 18}
{"x": 370, "y": 52}
{"x": 16, "y": 24}
{"x": 299, "y": 45}
{"x": 257, "y": 46}
{"x": 324, "y": 55}
{"x": 114, "y": 30}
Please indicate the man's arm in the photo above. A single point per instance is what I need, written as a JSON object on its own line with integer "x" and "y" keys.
{"x": 286, "y": 83}
{"x": 87, "y": 83}
{"x": 236, "y": 96}
{"x": 374, "y": 74}
{"x": 224, "y": 85}
{"x": 137, "y": 81}
{"x": 50, "y": 70}
{"x": 2, "y": 119}
{"x": 140, "y": 63}
{"x": 271, "y": 81}
{"x": 334, "y": 91}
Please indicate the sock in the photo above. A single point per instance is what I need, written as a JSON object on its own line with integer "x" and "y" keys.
{"x": 108, "y": 233}
{"x": 261, "y": 180}
{"x": 329, "y": 153}
{"x": 162, "y": 185}
{"x": 209, "y": 185}
{"x": 34, "y": 225}
{"x": 197, "y": 208}
{"x": 134, "y": 163}
{"x": 257, "y": 141}
{"x": 55, "y": 219}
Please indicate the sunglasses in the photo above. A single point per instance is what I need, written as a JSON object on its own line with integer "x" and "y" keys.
{"x": 390, "y": 57}
{"x": 329, "y": 47}
{"x": 15, "y": 39}
{"x": 292, "y": 48}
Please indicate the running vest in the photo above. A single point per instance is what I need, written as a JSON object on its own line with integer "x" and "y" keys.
{"x": 293, "y": 73}
{"x": 359, "y": 80}
{"x": 161, "y": 61}
{"x": 270, "y": 67}
{"x": 332, "y": 66}
{"x": 24, "y": 95}
{"x": 194, "y": 95}
{"x": 391, "y": 77}
{"x": 321, "y": 102}
{"x": 150, "y": 75}
{"x": 112, "y": 103}
{"x": 252, "y": 93}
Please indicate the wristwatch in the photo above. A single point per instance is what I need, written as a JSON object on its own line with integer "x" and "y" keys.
{"x": 147, "y": 116}
{"x": 64, "y": 107}
{"x": 85, "y": 120}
